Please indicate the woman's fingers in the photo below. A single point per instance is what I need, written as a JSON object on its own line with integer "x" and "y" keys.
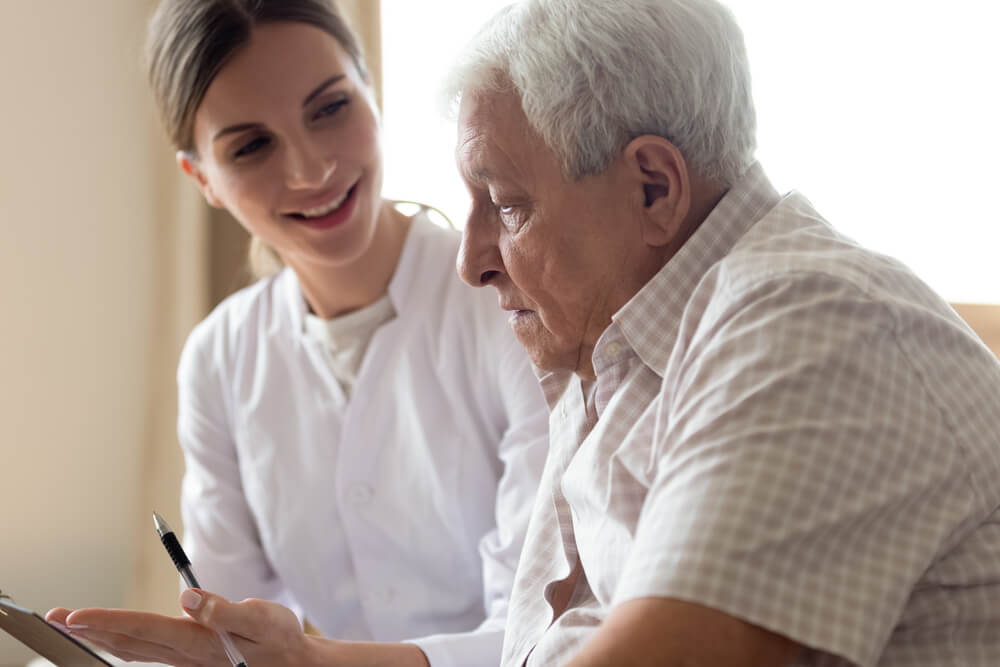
{"x": 57, "y": 615}
{"x": 132, "y": 649}
{"x": 265, "y": 632}
{"x": 147, "y": 637}
{"x": 254, "y": 620}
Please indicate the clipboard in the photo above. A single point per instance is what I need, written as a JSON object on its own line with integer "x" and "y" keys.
{"x": 45, "y": 639}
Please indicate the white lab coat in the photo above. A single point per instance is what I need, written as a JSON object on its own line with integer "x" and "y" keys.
{"x": 396, "y": 514}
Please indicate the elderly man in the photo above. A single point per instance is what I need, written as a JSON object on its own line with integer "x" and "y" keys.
{"x": 769, "y": 446}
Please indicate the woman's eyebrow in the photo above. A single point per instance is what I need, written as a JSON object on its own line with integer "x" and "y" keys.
{"x": 253, "y": 126}
{"x": 235, "y": 128}
{"x": 321, "y": 87}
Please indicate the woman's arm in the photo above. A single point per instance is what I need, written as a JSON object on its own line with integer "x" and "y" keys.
{"x": 522, "y": 451}
{"x": 266, "y": 633}
{"x": 220, "y": 534}
{"x": 513, "y": 398}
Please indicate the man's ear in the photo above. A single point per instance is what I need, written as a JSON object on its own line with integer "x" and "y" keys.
{"x": 189, "y": 165}
{"x": 661, "y": 176}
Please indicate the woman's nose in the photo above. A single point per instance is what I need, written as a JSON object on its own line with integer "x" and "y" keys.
{"x": 307, "y": 166}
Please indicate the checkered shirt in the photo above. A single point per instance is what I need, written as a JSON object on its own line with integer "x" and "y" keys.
{"x": 785, "y": 427}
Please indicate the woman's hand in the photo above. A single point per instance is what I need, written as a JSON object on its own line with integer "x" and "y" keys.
{"x": 265, "y": 632}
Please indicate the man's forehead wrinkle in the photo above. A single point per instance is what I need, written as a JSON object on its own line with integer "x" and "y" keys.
{"x": 470, "y": 151}
{"x": 484, "y": 160}
{"x": 494, "y": 141}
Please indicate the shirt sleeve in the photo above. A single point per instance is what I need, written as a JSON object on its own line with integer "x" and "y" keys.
{"x": 521, "y": 451}
{"x": 220, "y": 535}
{"x": 803, "y": 477}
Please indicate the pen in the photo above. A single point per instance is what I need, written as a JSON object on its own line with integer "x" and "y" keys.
{"x": 184, "y": 567}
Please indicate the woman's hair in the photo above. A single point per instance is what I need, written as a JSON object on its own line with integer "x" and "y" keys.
{"x": 190, "y": 41}
{"x": 592, "y": 75}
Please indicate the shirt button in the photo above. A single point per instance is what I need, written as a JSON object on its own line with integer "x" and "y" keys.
{"x": 613, "y": 349}
{"x": 360, "y": 494}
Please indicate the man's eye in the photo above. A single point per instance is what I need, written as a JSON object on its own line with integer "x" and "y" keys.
{"x": 502, "y": 209}
{"x": 509, "y": 215}
{"x": 252, "y": 147}
{"x": 329, "y": 109}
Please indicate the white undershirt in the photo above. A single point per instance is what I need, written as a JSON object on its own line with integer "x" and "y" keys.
{"x": 346, "y": 337}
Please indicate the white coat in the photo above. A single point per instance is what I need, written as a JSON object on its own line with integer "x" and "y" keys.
{"x": 399, "y": 513}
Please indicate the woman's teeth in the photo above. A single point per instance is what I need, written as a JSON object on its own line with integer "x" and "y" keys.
{"x": 326, "y": 209}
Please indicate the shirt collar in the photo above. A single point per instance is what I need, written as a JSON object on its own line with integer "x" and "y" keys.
{"x": 668, "y": 292}
{"x": 404, "y": 281}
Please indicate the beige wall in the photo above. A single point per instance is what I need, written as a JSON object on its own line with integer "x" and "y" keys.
{"x": 985, "y": 319}
{"x": 89, "y": 268}
{"x": 107, "y": 261}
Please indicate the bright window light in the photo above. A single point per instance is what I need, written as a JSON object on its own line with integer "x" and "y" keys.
{"x": 883, "y": 113}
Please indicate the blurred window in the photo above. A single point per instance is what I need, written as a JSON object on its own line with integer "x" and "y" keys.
{"x": 882, "y": 112}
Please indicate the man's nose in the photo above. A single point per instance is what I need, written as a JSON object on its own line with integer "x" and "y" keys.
{"x": 479, "y": 262}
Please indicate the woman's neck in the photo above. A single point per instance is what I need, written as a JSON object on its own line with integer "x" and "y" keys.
{"x": 331, "y": 291}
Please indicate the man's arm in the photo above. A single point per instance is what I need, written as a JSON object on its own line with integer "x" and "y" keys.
{"x": 668, "y": 633}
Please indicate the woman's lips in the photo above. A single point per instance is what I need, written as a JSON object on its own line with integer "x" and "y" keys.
{"x": 335, "y": 217}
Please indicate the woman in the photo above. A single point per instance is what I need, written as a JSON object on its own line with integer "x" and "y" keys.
{"x": 362, "y": 434}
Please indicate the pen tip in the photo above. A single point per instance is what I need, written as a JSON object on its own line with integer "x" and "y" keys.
{"x": 161, "y": 525}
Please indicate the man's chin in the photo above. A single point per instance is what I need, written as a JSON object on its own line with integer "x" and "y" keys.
{"x": 547, "y": 360}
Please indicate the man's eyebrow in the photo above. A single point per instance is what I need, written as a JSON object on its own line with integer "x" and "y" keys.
{"x": 242, "y": 127}
{"x": 480, "y": 175}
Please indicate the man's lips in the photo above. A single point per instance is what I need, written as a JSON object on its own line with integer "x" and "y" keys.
{"x": 513, "y": 308}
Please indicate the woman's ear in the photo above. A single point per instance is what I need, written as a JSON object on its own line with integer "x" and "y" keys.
{"x": 661, "y": 178}
{"x": 189, "y": 165}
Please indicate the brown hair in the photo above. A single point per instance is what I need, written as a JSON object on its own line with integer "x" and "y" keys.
{"x": 190, "y": 41}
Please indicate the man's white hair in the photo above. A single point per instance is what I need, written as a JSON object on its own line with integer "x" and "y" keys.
{"x": 594, "y": 74}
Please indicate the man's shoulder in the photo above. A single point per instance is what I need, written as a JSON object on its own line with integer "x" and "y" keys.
{"x": 793, "y": 245}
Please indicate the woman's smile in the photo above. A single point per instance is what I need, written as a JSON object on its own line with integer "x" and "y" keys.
{"x": 333, "y": 213}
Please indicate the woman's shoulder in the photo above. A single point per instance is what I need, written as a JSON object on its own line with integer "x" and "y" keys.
{"x": 428, "y": 272}
{"x": 241, "y": 318}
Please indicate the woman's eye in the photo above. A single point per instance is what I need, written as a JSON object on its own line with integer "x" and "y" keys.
{"x": 252, "y": 147}
{"x": 329, "y": 109}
